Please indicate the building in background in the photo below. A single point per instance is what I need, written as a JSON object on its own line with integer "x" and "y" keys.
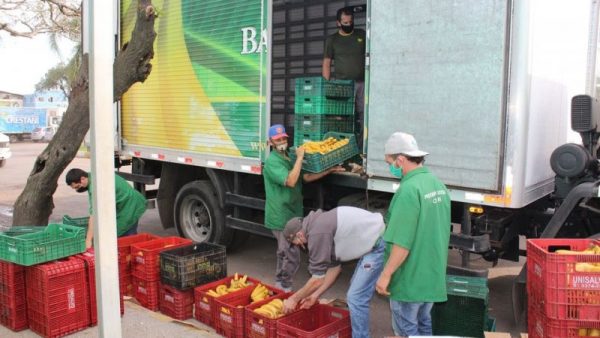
{"x": 8, "y": 99}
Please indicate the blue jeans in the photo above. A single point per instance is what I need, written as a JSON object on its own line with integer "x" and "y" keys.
{"x": 411, "y": 319}
{"x": 362, "y": 288}
{"x": 131, "y": 231}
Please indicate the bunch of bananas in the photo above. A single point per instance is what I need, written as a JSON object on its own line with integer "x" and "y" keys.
{"x": 584, "y": 266}
{"x": 259, "y": 293}
{"x": 325, "y": 146}
{"x": 272, "y": 310}
{"x": 236, "y": 284}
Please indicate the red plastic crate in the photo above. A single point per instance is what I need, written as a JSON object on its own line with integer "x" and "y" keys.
{"x": 175, "y": 303}
{"x": 124, "y": 243}
{"x": 89, "y": 259}
{"x": 146, "y": 293}
{"x": 57, "y": 299}
{"x": 13, "y": 303}
{"x": 145, "y": 262}
{"x": 319, "y": 321}
{"x": 259, "y": 326}
{"x": 203, "y": 302}
{"x": 556, "y": 287}
{"x": 540, "y": 326}
{"x": 229, "y": 310}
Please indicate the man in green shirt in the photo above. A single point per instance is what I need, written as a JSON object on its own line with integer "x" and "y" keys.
{"x": 283, "y": 189}
{"x": 131, "y": 204}
{"x": 417, "y": 238}
{"x": 346, "y": 48}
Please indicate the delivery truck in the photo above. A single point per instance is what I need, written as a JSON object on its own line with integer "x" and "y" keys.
{"x": 18, "y": 123}
{"x": 486, "y": 88}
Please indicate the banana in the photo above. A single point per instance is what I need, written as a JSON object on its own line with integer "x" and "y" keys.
{"x": 222, "y": 289}
{"x": 262, "y": 312}
{"x": 270, "y": 308}
{"x": 212, "y": 293}
{"x": 278, "y": 303}
{"x": 243, "y": 281}
{"x": 236, "y": 276}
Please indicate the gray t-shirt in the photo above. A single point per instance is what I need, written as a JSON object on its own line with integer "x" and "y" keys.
{"x": 339, "y": 235}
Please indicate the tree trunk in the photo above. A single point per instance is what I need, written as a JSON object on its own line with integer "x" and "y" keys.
{"x": 132, "y": 64}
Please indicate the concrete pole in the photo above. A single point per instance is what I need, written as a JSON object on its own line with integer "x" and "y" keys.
{"x": 101, "y": 19}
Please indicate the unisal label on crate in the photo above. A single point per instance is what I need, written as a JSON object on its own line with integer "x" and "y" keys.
{"x": 585, "y": 281}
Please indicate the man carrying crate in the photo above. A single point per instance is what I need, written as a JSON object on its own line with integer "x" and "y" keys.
{"x": 283, "y": 189}
{"x": 339, "y": 235}
{"x": 346, "y": 48}
{"x": 131, "y": 204}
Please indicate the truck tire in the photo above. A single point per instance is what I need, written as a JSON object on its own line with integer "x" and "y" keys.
{"x": 198, "y": 215}
{"x": 2, "y": 162}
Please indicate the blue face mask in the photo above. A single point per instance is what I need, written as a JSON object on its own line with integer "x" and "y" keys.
{"x": 396, "y": 171}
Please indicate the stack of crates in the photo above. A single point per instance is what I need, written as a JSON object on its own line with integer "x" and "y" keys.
{"x": 89, "y": 260}
{"x": 466, "y": 311}
{"x": 57, "y": 297}
{"x": 563, "y": 288}
{"x": 124, "y": 256}
{"x": 322, "y": 106}
{"x": 145, "y": 267}
{"x": 13, "y": 303}
{"x": 184, "y": 268}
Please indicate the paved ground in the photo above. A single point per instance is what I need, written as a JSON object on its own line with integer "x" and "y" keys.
{"x": 254, "y": 258}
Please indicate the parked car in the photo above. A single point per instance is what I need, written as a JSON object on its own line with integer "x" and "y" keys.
{"x": 5, "y": 153}
{"x": 44, "y": 134}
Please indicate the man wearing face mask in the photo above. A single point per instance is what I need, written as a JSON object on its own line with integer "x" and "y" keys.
{"x": 347, "y": 48}
{"x": 417, "y": 238}
{"x": 283, "y": 189}
{"x": 131, "y": 204}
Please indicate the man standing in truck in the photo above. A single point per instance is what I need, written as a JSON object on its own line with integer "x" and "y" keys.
{"x": 417, "y": 238}
{"x": 131, "y": 204}
{"x": 347, "y": 48}
{"x": 283, "y": 189}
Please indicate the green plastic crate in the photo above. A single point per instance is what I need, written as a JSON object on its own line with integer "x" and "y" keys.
{"x": 320, "y": 105}
{"x": 316, "y": 163}
{"x": 465, "y": 312}
{"x": 318, "y": 86}
{"x": 323, "y": 123}
{"x": 21, "y": 230}
{"x": 76, "y": 221}
{"x": 54, "y": 242}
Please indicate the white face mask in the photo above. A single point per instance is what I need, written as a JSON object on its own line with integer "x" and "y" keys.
{"x": 281, "y": 147}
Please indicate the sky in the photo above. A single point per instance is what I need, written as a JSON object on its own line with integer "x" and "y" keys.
{"x": 24, "y": 61}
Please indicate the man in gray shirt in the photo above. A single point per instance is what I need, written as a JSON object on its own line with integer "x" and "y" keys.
{"x": 339, "y": 235}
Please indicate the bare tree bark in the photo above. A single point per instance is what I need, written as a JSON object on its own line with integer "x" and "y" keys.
{"x": 132, "y": 64}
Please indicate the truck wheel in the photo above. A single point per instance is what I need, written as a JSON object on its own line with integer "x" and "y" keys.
{"x": 198, "y": 215}
{"x": 2, "y": 162}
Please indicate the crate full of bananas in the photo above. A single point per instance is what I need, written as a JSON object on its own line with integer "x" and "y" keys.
{"x": 322, "y": 155}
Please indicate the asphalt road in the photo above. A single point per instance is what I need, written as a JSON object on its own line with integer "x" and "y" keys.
{"x": 255, "y": 258}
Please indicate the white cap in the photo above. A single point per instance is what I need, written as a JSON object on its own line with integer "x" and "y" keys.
{"x": 403, "y": 143}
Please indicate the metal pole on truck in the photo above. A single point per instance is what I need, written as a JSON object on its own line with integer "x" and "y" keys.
{"x": 101, "y": 15}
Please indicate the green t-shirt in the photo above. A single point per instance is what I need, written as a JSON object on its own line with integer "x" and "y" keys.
{"x": 420, "y": 223}
{"x": 130, "y": 203}
{"x": 348, "y": 53}
{"x": 283, "y": 203}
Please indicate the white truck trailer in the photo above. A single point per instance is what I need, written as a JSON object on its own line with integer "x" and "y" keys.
{"x": 485, "y": 86}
